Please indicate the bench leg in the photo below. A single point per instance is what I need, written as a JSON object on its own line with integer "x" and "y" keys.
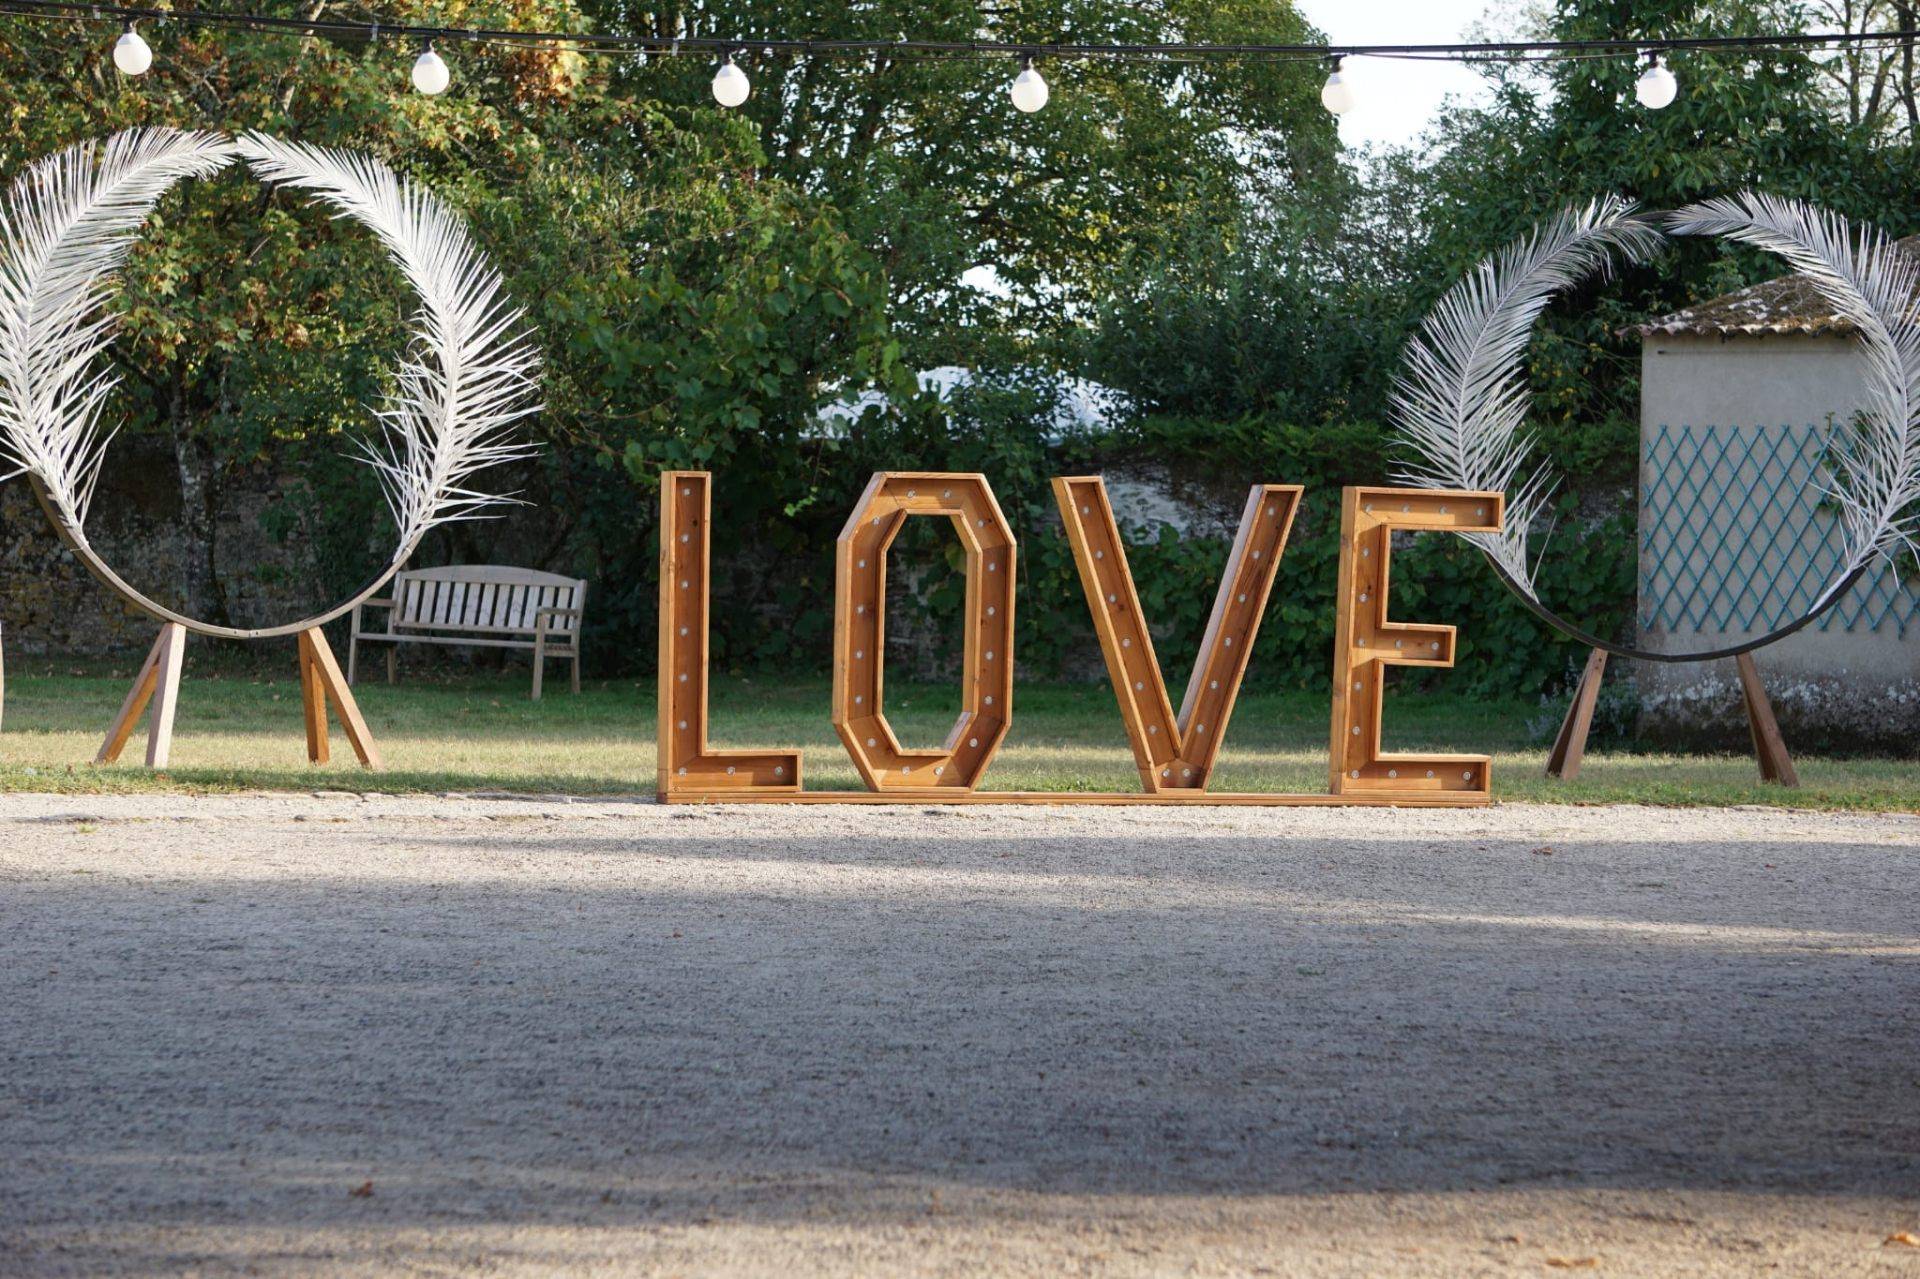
{"x": 393, "y": 663}
{"x": 539, "y": 662}
{"x": 576, "y": 661}
{"x": 353, "y": 656}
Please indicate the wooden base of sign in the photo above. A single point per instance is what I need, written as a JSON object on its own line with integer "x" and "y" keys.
{"x": 159, "y": 673}
{"x": 1186, "y": 799}
{"x": 320, "y": 683}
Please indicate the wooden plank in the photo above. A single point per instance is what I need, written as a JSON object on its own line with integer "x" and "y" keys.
{"x": 1173, "y": 798}
{"x": 326, "y": 673}
{"x": 1769, "y": 747}
{"x": 1175, "y": 752}
{"x": 455, "y": 641}
{"x": 1570, "y": 745}
{"x": 578, "y": 599}
{"x": 1366, "y": 640}
{"x": 172, "y": 655}
{"x": 313, "y": 703}
{"x": 685, "y": 760}
{"x": 136, "y": 702}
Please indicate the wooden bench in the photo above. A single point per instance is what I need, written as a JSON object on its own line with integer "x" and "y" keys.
{"x": 483, "y": 605}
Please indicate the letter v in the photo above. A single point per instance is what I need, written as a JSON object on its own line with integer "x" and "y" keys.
{"x": 1175, "y": 754}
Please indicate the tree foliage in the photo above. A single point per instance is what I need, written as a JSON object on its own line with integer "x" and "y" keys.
{"x": 704, "y": 280}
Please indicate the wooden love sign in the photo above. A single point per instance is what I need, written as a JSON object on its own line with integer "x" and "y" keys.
{"x": 1175, "y": 753}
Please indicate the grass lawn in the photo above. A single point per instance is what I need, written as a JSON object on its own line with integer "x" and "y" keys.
{"x": 241, "y": 731}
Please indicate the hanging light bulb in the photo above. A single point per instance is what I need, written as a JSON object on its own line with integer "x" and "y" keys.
{"x": 730, "y": 84}
{"x": 430, "y": 72}
{"x": 1029, "y": 90}
{"x": 1656, "y": 86}
{"x": 131, "y": 54}
{"x": 1337, "y": 94}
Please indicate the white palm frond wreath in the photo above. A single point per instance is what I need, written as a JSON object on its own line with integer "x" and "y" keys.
{"x": 468, "y": 375}
{"x": 470, "y": 371}
{"x": 1872, "y": 472}
{"x": 66, "y": 225}
{"x": 1459, "y": 405}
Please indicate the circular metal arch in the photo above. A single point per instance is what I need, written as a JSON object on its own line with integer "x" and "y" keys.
{"x": 1835, "y": 591}
{"x": 1588, "y": 638}
{"x": 325, "y": 175}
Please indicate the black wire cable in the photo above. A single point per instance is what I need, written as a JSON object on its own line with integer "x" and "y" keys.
{"x": 1505, "y": 51}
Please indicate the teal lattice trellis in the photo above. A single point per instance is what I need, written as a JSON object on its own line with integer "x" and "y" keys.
{"x": 1734, "y": 537}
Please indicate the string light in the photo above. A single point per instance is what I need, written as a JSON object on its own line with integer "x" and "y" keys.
{"x": 431, "y": 74}
{"x": 1028, "y": 90}
{"x": 1655, "y": 89}
{"x": 730, "y": 84}
{"x": 1656, "y": 86}
{"x": 1337, "y": 94}
{"x": 131, "y": 54}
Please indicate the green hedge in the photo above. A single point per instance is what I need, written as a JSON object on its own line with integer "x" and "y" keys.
{"x": 774, "y": 613}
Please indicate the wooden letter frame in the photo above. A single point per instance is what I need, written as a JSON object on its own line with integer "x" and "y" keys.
{"x": 1165, "y": 746}
{"x": 1366, "y": 642}
{"x": 859, "y": 631}
{"x": 1175, "y": 754}
{"x": 685, "y": 762}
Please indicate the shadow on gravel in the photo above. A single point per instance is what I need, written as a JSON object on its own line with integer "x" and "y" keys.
{"x": 663, "y": 1030}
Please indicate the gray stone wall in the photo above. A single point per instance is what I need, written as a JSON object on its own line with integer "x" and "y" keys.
{"x": 49, "y": 604}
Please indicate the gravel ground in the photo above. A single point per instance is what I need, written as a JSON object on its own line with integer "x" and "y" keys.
{"x": 321, "y": 1035}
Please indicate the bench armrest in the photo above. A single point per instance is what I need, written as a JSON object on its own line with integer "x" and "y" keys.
{"x": 542, "y": 616}
{"x": 363, "y": 604}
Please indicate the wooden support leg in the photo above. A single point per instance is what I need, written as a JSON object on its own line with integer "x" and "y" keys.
{"x": 321, "y": 682}
{"x": 539, "y": 662}
{"x": 313, "y": 701}
{"x": 1570, "y": 747}
{"x": 393, "y": 663}
{"x": 576, "y": 662}
{"x": 1769, "y": 747}
{"x": 130, "y": 709}
{"x": 159, "y": 673}
{"x": 173, "y": 654}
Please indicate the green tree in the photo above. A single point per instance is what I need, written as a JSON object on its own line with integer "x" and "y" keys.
{"x": 937, "y": 174}
{"x": 1565, "y": 131}
{"x": 689, "y": 311}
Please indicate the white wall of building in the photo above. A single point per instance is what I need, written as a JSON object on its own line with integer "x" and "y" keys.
{"x": 1778, "y": 384}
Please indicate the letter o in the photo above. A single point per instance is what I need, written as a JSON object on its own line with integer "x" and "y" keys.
{"x": 859, "y": 630}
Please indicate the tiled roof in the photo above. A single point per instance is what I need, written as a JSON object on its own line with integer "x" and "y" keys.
{"x": 1785, "y": 305}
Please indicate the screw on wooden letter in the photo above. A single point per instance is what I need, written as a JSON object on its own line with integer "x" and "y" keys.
{"x": 1175, "y": 754}
{"x": 859, "y": 630}
{"x": 1365, "y": 642}
{"x": 685, "y": 762}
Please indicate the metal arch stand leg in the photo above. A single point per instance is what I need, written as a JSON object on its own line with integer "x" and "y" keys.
{"x": 1769, "y": 747}
{"x": 1570, "y": 746}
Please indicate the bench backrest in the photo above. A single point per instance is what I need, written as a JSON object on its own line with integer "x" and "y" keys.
{"x": 482, "y": 597}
